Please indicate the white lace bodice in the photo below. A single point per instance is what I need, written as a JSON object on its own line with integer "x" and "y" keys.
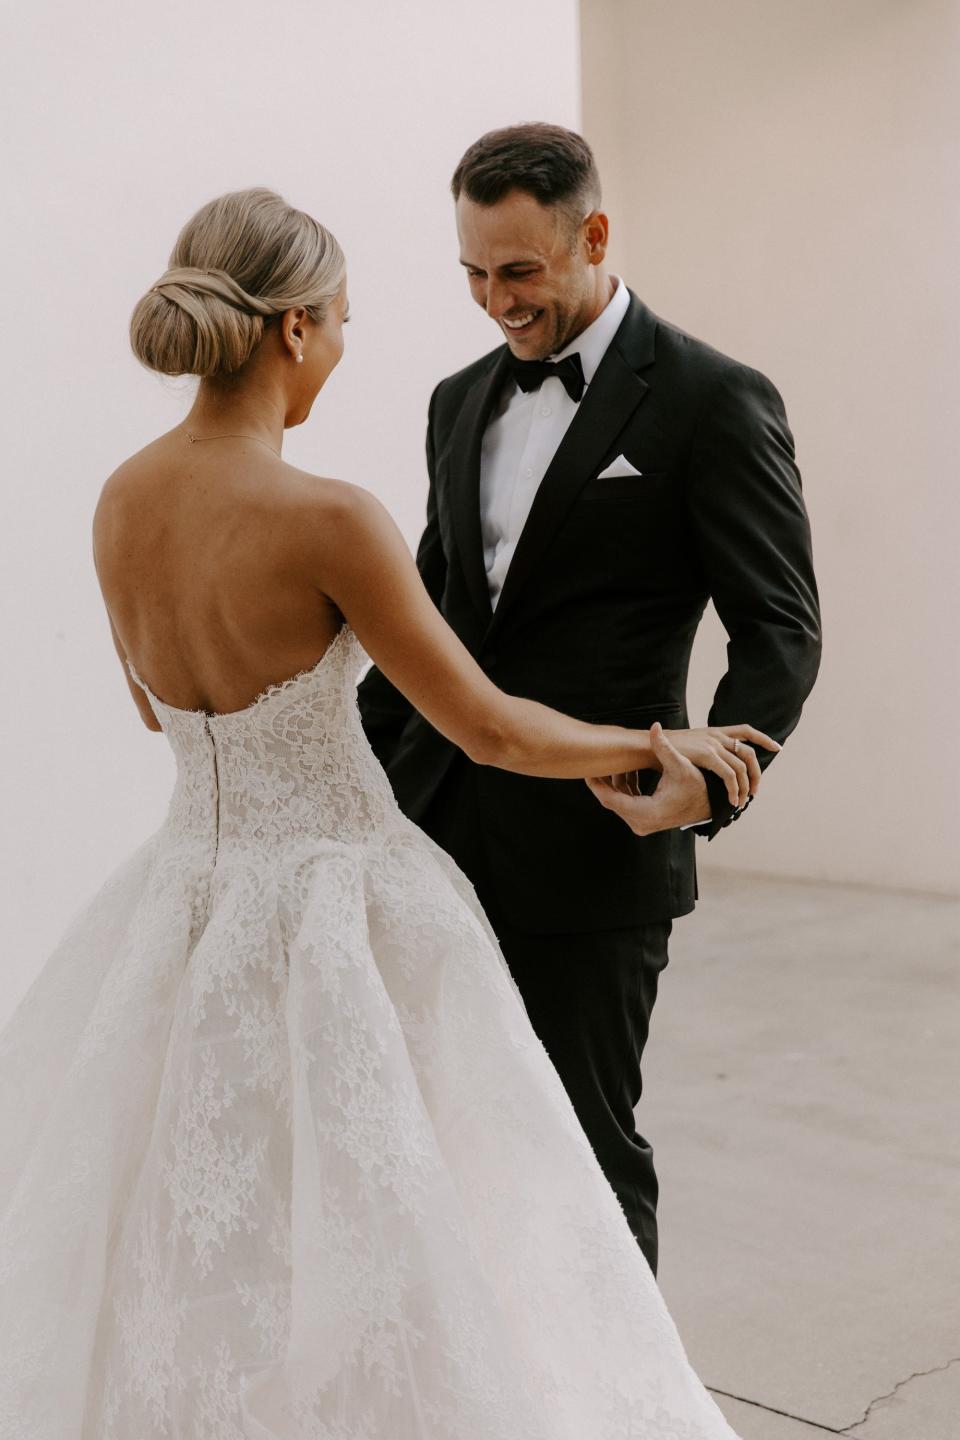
{"x": 293, "y": 765}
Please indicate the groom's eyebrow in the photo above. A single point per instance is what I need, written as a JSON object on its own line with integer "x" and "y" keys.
{"x": 507, "y": 264}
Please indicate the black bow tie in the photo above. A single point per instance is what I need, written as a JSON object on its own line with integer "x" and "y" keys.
{"x": 530, "y": 374}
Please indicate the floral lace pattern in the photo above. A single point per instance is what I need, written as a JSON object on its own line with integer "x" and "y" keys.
{"x": 282, "y": 1158}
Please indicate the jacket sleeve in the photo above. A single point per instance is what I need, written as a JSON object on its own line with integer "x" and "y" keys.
{"x": 753, "y": 538}
{"x": 384, "y": 712}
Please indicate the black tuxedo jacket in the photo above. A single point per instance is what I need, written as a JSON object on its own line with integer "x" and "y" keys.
{"x": 600, "y": 605}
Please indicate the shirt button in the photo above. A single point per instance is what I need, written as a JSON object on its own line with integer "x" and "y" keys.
{"x": 528, "y": 472}
{"x": 546, "y": 410}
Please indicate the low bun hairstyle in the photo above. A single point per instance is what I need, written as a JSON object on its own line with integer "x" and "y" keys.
{"x": 242, "y": 259}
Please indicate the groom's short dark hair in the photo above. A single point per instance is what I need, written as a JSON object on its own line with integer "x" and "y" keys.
{"x": 554, "y": 165}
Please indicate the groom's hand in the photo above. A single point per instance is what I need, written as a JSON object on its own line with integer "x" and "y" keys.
{"x": 679, "y": 799}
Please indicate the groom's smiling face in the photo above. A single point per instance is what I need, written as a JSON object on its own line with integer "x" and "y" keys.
{"x": 535, "y": 269}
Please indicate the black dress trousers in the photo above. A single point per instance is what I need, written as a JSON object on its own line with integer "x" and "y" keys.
{"x": 589, "y": 998}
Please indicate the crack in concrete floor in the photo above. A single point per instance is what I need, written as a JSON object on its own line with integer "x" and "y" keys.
{"x": 772, "y": 1410}
{"x": 854, "y": 1424}
{"x": 917, "y": 1375}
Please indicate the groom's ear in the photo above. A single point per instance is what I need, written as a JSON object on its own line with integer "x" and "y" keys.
{"x": 595, "y": 235}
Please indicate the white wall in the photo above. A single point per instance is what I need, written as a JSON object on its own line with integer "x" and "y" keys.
{"x": 120, "y": 119}
{"x": 783, "y": 181}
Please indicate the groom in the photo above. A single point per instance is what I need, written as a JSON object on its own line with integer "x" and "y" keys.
{"x": 594, "y": 481}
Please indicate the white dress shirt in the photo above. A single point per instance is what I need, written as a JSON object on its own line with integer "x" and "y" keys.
{"x": 522, "y": 437}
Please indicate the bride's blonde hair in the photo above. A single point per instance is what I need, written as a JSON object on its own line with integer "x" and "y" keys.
{"x": 243, "y": 258}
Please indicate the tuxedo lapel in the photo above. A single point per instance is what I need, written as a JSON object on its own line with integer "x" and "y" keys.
{"x": 464, "y": 451}
{"x": 610, "y": 399}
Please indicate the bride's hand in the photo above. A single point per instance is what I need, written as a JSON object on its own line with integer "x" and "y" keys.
{"x": 726, "y": 750}
{"x": 681, "y": 795}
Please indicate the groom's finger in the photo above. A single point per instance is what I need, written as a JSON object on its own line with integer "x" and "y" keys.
{"x": 634, "y": 810}
{"x": 601, "y": 788}
{"x": 671, "y": 761}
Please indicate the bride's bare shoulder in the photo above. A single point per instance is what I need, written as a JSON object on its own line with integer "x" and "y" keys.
{"x": 135, "y": 471}
{"x": 325, "y": 501}
{"x": 337, "y": 524}
{"x": 123, "y": 487}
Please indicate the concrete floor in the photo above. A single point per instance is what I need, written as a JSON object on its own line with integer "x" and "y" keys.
{"x": 802, "y": 1096}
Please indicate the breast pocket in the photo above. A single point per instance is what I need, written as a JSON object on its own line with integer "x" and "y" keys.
{"x": 627, "y": 528}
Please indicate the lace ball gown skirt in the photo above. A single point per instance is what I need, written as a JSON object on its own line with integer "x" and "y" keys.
{"x": 282, "y": 1158}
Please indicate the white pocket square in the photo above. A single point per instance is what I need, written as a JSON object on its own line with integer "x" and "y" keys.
{"x": 620, "y": 466}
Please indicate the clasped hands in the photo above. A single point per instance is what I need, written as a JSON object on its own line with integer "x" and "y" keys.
{"x": 681, "y": 794}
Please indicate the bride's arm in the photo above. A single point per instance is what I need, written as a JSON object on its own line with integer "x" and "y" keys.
{"x": 369, "y": 573}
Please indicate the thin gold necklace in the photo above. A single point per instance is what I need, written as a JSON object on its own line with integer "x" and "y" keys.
{"x": 199, "y": 439}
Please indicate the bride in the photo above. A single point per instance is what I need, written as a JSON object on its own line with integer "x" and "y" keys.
{"x": 281, "y": 1155}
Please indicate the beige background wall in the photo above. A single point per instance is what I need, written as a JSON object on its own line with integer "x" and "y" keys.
{"x": 783, "y": 181}
{"x": 116, "y": 122}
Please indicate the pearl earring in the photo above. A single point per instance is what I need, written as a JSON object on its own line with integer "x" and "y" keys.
{"x": 300, "y": 357}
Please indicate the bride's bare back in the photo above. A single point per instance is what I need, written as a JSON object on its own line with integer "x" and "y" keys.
{"x": 208, "y": 558}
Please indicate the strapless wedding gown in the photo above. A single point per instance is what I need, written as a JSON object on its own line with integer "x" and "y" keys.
{"x": 281, "y": 1157}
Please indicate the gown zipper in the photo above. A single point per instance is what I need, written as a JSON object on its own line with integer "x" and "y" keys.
{"x": 216, "y": 789}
